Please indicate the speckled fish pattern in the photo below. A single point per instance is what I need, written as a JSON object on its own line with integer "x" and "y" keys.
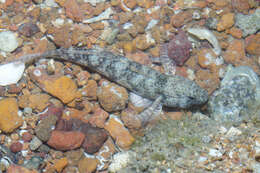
{"x": 176, "y": 91}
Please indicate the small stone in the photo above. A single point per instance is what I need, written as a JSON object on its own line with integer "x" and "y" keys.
{"x": 179, "y": 48}
{"x": 62, "y": 140}
{"x": 233, "y": 132}
{"x": 226, "y": 22}
{"x": 253, "y": 45}
{"x": 27, "y": 137}
{"x": 214, "y": 153}
{"x": 35, "y": 143}
{"x": 181, "y": 18}
{"x": 28, "y": 29}
{"x": 74, "y": 156}
{"x": 9, "y": 118}
{"x": 206, "y": 58}
{"x": 130, "y": 3}
{"x": 94, "y": 137}
{"x": 240, "y": 5}
{"x": 44, "y": 128}
{"x": 16, "y": 147}
{"x": 82, "y": 78}
{"x": 19, "y": 169}
{"x": 119, "y": 133}
{"x": 73, "y": 10}
{"x": 112, "y": 97}
{"x": 34, "y": 101}
{"x": 144, "y": 41}
{"x": 94, "y": 140}
{"x": 235, "y": 52}
{"x": 99, "y": 118}
{"x": 236, "y": 32}
{"x": 8, "y": 41}
{"x": 60, "y": 164}
{"x": 248, "y": 23}
{"x": 33, "y": 163}
{"x": 87, "y": 164}
{"x": 90, "y": 90}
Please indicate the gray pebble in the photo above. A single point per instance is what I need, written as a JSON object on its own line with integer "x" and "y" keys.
{"x": 238, "y": 96}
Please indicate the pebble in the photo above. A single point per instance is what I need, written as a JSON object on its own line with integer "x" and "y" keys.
{"x": 179, "y": 48}
{"x": 27, "y": 137}
{"x": 237, "y": 96}
{"x": 35, "y": 143}
{"x": 99, "y": 118}
{"x": 28, "y": 29}
{"x": 94, "y": 140}
{"x": 19, "y": 169}
{"x": 74, "y": 156}
{"x": 87, "y": 164}
{"x": 60, "y": 164}
{"x": 248, "y": 23}
{"x": 61, "y": 87}
{"x": 37, "y": 102}
{"x": 112, "y": 97}
{"x": 253, "y": 45}
{"x": 8, "y": 41}
{"x": 235, "y": 52}
{"x": 16, "y": 147}
{"x": 214, "y": 153}
{"x": 90, "y": 90}
{"x": 45, "y": 126}
{"x": 33, "y": 163}
{"x": 119, "y": 133}
{"x": 10, "y": 120}
{"x": 226, "y": 21}
{"x": 63, "y": 140}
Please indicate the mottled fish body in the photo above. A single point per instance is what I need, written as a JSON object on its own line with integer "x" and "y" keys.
{"x": 176, "y": 91}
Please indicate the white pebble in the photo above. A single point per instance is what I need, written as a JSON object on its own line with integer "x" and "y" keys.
{"x": 8, "y": 41}
{"x": 11, "y": 73}
{"x": 215, "y": 153}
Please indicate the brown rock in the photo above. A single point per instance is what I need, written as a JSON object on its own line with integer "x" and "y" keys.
{"x": 9, "y": 118}
{"x": 94, "y": 140}
{"x": 63, "y": 87}
{"x": 73, "y": 10}
{"x": 36, "y": 101}
{"x": 235, "y": 52}
{"x": 119, "y": 133}
{"x": 130, "y": 3}
{"x": 94, "y": 137}
{"x": 253, "y": 45}
{"x": 241, "y": 5}
{"x": 82, "y": 78}
{"x": 60, "y": 164}
{"x": 87, "y": 165}
{"x": 16, "y": 147}
{"x": 44, "y": 128}
{"x": 143, "y": 41}
{"x": 28, "y": 29}
{"x": 112, "y": 97}
{"x": 90, "y": 90}
{"x": 19, "y": 169}
{"x": 74, "y": 156}
{"x": 226, "y": 21}
{"x": 99, "y": 118}
{"x": 235, "y": 32}
{"x": 62, "y": 140}
{"x": 27, "y": 137}
{"x": 206, "y": 58}
{"x": 207, "y": 80}
{"x": 181, "y": 18}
